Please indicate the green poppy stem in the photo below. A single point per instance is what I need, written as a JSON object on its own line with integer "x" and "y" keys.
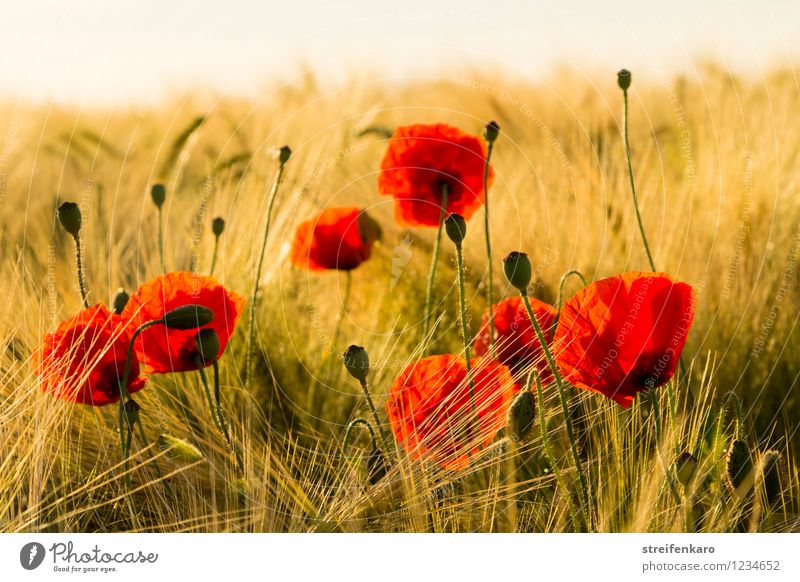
{"x": 564, "y": 407}
{"x": 632, "y": 181}
{"x": 374, "y": 411}
{"x": 215, "y": 408}
{"x": 161, "y": 241}
{"x": 490, "y": 287}
{"x": 251, "y": 324}
{"x": 465, "y": 334}
{"x": 548, "y": 451}
{"x": 214, "y": 256}
{"x": 354, "y": 423}
{"x": 432, "y": 272}
{"x": 79, "y": 267}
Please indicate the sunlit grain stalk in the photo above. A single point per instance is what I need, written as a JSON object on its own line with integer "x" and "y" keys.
{"x": 283, "y": 156}
{"x": 490, "y": 134}
{"x": 432, "y": 272}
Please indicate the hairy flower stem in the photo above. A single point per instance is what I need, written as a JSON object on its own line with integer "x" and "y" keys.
{"x": 632, "y": 181}
{"x": 548, "y": 451}
{"x": 161, "y": 241}
{"x": 487, "y": 232}
{"x": 214, "y": 256}
{"x": 251, "y": 324}
{"x": 79, "y": 267}
{"x": 465, "y": 327}
{"x": 432, "y": 273}
{"x": 354, "y": 423}
{"x": 374, "y": 411}
{"x": 215, "y": 408}
{"x": 565, "y": 409}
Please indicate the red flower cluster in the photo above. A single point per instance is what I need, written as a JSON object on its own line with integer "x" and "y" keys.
{"x": 430, "y": 412}
{"x": 623, "y": 335}
{"x": 337, "y": 238}
{"x": 420, "y": 160}
{"x": 84, "y": 359}
{"x": 516, "y": 344}
{"x": 162, "y": 350}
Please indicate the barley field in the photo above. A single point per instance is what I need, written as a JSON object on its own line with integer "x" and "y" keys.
{"x": 716, "y": 158}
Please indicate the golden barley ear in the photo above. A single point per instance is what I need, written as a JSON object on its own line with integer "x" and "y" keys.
{"x": 769, "y": 476}
{"x": 738, "y": 475}
{"x": 176, "y": 149}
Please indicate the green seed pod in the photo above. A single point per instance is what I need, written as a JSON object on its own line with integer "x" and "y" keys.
{"x": 180, "y": 448}
{"x": 377, "y": 466}
{"x": 218, "y": 226}
{"x": 491, "y": 131}
{"x": 120, "y": 300}
{"x": 456, "y": 228}
{"x": 770, "y": 476}
{"x": 69, "y": 215}
{"x": 131, "y": 409}
{"x": 207, "y": 342}
{"x": 738, "y": 466}
{"x": 159, "y": 194}
{"x": 283, "y": 154}
{"x": 517, "y": 267}
{"x": 624, "y": 79}
{"x": 356, "y": 360}
{"x": 188, "y": 317}
{"x": 685, "y": 468}
{"x": 521, "y": 416}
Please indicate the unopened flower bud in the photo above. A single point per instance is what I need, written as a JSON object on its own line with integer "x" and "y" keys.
{"x": 521, "y": 416}
{"x": 624, "y": 79}
{"x": 182, "y": 449}
{"x": 685, "y": 467}
{"x": 368, "y": 228}
{"x": 188, "y": 317}
{"x": 120, "y": 300}
{"x": 159, "y": 194}
{"x": 283, "y": 154}
{"x": 69, "y": 215}
{"x": 456, "y": 228}
{"x": 491, "y": 131}
{"x": 377, "y": 466}
{"x": 356, "y": 360}
{"x": 207, "y": 342}
{"x": 517, "y": 267}
{"x": 131, "y": 408}
{"x": 738, "y": 466}
{"x": 218, "y": 226}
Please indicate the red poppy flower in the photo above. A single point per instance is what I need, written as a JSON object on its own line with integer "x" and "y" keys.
{"x": 622, "y": 335}
{"x": 420, "y": 159}
{"x": 163, "y": 350}
{"x": 83, "y": 361}
{"x": 516, "y": 344}
{"x": 430, "y": 412}
{"x": 338, "y": 238}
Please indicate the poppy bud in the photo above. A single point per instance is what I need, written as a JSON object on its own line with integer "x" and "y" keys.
{"x": 218, "y": 226}
{"x": 521, "y": 416}
{"x": 368, "y": 228}
{"x": 491, "y": 131}
{"x": 120, "y": 300}
{"x": 182, "y": 449}
{"x": 208, "y": 345}
{"x": 685, "y": 467}
{"x": 356, "y": 360}
{"x": 283, "y": 154}
{"x": 159, "y": 194}
{"x": 376, "y": 466}
{"x": 517, "y": 267}
{"x": 456, "y": 228}
{"x": 738, "y": 465}
{"x": 624, "y": 79}
{"x": 131, "y": 408}
{"x": 69, "y": 215}
{"x": 770, "y": 475}
{"x": 188, "y": 317}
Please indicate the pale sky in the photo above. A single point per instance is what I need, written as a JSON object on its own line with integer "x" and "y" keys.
{"x": 127, "y": 51}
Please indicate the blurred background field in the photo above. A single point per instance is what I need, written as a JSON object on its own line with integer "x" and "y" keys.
{"x": 717, "y": 160}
